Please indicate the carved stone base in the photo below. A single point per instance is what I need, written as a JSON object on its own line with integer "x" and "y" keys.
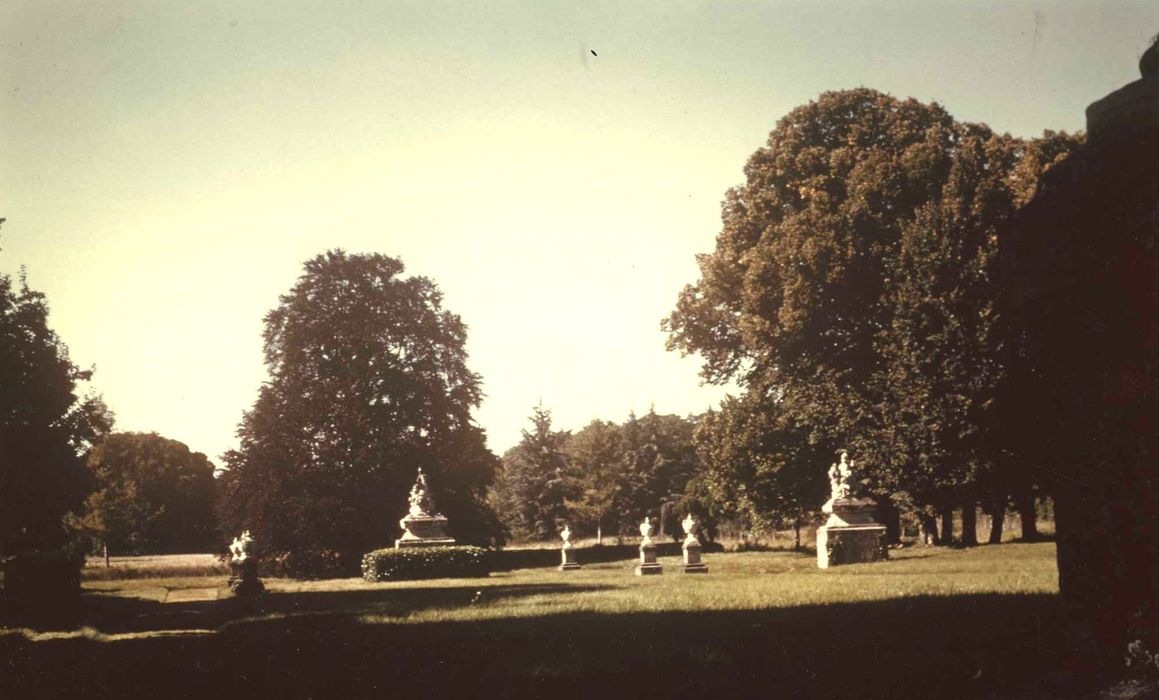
{"x": 850, "y": 544}
{"x": 648, "y": 565}
{"x": 569, "y": 562}
{"x": 423, "y": 531}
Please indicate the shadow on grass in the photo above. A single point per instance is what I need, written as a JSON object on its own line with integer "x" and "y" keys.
{"x": 118, "y": 614}
{"x": 922, "y": 647}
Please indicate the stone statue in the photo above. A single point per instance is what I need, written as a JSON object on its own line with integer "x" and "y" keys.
{"x": 689, "y": 525}
{"x": 841, "y": 478}
{"x": 567, "y": 552}
{"x": 421, "y": 502}
{"x": 646, "y": 529}
{"x": 239, "y": 548}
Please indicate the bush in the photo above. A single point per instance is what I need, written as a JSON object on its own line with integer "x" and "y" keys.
{"x": 425, "y": 562}
{"x": 310, "y": 564}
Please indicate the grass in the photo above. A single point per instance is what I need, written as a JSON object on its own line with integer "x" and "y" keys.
{"x": 927, "y": 623}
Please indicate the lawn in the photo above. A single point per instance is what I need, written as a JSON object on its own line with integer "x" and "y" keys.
{"x": 928, "y": 623}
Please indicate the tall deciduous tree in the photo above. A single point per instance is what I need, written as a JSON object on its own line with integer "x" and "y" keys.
{"x": 153, "y": 496}
{"x": 46, "y": 425}
{"x": 594, "y": 454}
{"x": 368, "y": 383}
{"x": 852, "y": 285}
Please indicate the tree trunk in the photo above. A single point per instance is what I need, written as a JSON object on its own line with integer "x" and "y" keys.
{"x": 928, "y": 530}
{"x": 891, "y": 518}
{"x": 997, "y": 519}
{"x": 970, "y": 524}
{"x": 1029, "y": 516}
{"x": 797, "y": 532}
{"x": 599, "y": 533}
{"x": 947, "y": 533}
{"x": 105, "y": 548}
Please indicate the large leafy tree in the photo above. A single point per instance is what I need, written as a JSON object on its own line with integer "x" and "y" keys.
{"x": 851, "y": 286}
{"x": 368, "y": 383}
{"x": 153, "y": 496}
{"x": 47, "y": 425}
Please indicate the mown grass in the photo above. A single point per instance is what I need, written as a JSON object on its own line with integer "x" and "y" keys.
{"x": 927, "y": 623}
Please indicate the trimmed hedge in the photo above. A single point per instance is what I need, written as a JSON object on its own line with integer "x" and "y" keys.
{"x": 509, "y": 559}
{"x": 425, "y": 562}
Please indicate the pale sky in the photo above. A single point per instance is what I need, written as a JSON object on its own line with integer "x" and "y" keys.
{"x": 167, "y": 167}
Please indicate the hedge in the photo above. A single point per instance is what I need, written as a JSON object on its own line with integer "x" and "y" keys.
{"x": 425, "y": 562}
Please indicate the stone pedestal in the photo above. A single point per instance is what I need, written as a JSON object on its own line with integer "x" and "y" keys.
{"x": 648, "y": 565}
{"x": 850, "y": 535}
{"x": 243, "y": 578}
{"x": 692, "y": 563}
{"x": 423, "y": 530}
{"x": 568, "y": 555}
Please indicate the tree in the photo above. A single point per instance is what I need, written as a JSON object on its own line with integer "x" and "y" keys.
{"x": 534, "y": 483}
{"x": 594, "y": 455}
{"x": 758, "y": 468}
{"x": 851, "y": 287}
{"x": 153, "y": 496}
{"x": 368, "y": 383}
{"x": 46, "y": 425}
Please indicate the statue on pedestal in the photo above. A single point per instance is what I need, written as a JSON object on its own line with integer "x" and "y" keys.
{"x": 692, "y": 563}
{"x": 648, "y": 565}
{"x": 567, "y": 551}
{"x": 243, "y": 567}
{"x": 422, "y": 526}
{"x": 851, "y": 534}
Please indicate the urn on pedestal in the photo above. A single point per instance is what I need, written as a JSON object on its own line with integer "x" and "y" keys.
{"x": 648, "y": 565}
{"x": 567, "y": 551}
{"x": 243, "y": 567}
{"x": 692, "y": 563}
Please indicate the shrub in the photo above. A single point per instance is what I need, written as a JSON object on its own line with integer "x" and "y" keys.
{"x": 310, "y": 564}
{"x": 425, "y": 562}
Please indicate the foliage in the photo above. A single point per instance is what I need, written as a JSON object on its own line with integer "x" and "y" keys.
{"x": 368, "y": 383}
{"x": 310, "y": 564}
{"x": 533, "y": 485}
{"x": 424, "y": 562}
{"x": 594, "y": 455}
{"x": 46, "y": 425}
{"x": 852, "y": 288}
{"x": 153, "y": 496}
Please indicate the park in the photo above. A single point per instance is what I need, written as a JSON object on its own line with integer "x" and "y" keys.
{"x": 545, "y": 355}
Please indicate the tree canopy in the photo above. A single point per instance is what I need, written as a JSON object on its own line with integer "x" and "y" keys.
{"x": 853, "y": 284}
{"x": 153, "y": 496}
{"x": 46, "y": 424}
{"x": 368, "y": 383}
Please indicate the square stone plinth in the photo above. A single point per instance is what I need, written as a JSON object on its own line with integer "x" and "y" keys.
{"x": 850, "y": 544}
{"x": 649, "y": 569}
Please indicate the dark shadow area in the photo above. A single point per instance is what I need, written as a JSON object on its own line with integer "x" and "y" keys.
{"x": 926, "y": 647}
{"x": 116, "y": 614}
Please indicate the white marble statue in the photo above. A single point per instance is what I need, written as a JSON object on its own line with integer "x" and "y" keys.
{"x": 841, "y": 478}
{"x": 420, "y": 496}
{"x": 566, "y": 534}
{"x": 239, "y": 548}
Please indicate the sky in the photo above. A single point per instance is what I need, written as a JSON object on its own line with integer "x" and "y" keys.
{"x": 166, "y": 168}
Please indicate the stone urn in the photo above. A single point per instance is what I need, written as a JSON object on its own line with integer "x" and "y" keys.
{"x": 423, "y": 526}
{"x": 648, "y": 565}
{"x": 692, "y": 563}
